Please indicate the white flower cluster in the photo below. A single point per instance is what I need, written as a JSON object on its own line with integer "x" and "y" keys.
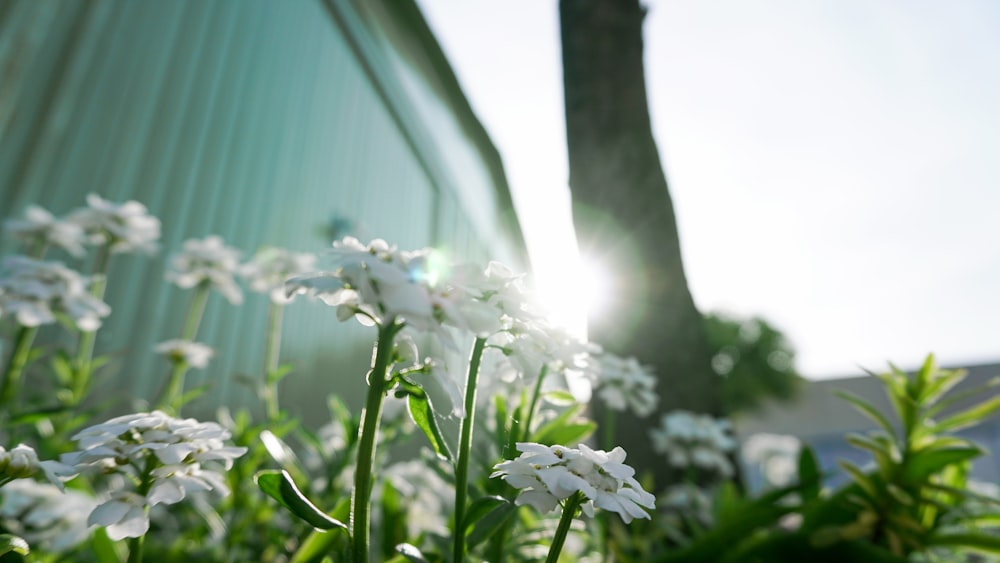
{"x": 550, "y": 474}
{"x": 377, "y": 283}
{"x": 193, "y": 354}
{"x": 267, "y": 271}
{"x": 47, "y": 517}
{"x": 22, "y": 462}
{"x": 35, "y": 291}
{"x": 126, "y": 227}
{"x": 39, "y": 227}
{"x": 207, "y": 260}
{"x": 625, "y": 384}
{"x": 684, "y": 509}
{"x": 173, "y": 457}
{"x": 775, "y": 454}
{"x": 695, "y": 440}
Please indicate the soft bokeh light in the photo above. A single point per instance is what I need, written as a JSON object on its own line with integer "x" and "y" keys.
{"x": 583, "y": 289}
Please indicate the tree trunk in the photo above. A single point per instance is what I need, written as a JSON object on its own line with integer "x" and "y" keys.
{"x": 624, "y": 217}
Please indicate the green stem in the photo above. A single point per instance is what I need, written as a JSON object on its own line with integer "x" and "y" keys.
{"x": 569, "y": 513}
{"x": 83, "y": 364}
{"x": 272, "y": 351}
{"x": 536, "y": 392}
{"x": 135, "y": 546}
{"x": 174, "y": 390}
{"x": 465, "y": 450}
{"x": 196, "y": 310}
{"x": 361, "y": 497}
{"x": 15, "y": 365}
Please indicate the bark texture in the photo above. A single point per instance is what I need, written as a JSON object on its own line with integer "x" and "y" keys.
{"x": 624, "y": 216}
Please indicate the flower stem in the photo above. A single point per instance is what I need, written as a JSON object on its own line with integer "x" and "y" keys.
{"x": 569, "y": 513}
{"x": 135, "y": 546}
{"x": 534, "y": 402}
{"x": 272, "y": 351}
{"x": 361, "y": 497}
{"x": 174, "y": 389}
{"x": 15, "y": 365}
{"x": 465, "y": 450}
{"x": 85, "y": 347}
{"x": 196, "y": 310}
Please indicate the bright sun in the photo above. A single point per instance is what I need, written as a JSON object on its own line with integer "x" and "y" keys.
{"x": 575, "y": 289}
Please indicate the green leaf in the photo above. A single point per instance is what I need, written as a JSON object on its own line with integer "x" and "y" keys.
{"x": 489, "y": 523}
{"x": 863, "y": 480}
{"x": 279, "y": 373}
{"x": 11, "y": 543}
{"x": 967, "y": 540}
{"x": 279, "y": 486}
{"x": 321, "y": 543}
{"x": 867, "y": 409}
{"x": 481, "y": 507}
{"x": 880, "y": 446}
{"x": 565, "y": 428}
{"x": 810, "y": 479}
{"x": 423, "y": 416}
{"x": 572, "y": 433}
{"x": 969, "y": 417}
{"x": 193, "y": 393}
{"x": 560, "y": 397}
{"x": 62, "y": 365}
{"x": 924, "y": 463}
{"x": 925, "y": 376}
{"x": 105, "y": 550}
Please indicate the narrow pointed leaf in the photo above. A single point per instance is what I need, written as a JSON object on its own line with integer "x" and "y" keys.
{"x": 423, "y": 416}
{"x": 809, "y": 476}
{"x": 859, "y": 477}
{"x": 925, "y": 463}
{"x": 483, "y": 506}
{"x": 279, "y": 486}
{"x": 969, "y": 540}
{"x": 970, "y": 416}
{"x": 867, "y": 409}
{"x": 490, "y": 523}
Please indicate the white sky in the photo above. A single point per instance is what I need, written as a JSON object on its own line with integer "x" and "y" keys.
{"x": 834, "y": 164}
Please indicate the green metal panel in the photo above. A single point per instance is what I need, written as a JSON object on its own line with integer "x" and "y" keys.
{"x": 256, "y": 120}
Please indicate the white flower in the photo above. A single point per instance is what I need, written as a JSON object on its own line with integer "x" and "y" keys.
{"x": 34, "y": 291}
{"x": 625, "y": 384}
{"x": 194, "y": 354}
{"x": 124, "y": 515}
{"x": 207, "y": 260}
{"x": 39, "y": 227}
{"x": 125, "y": 227}
{"x": 22, "y": 462}
{"x": 693, "y": 440}
{"x": 48, "y": 518}
{"x": 529, "y": 345}
{"x": 267, "y": 271}
{"x": 173, "y": 456}
{"x": 377, "y": 283}
{"x": 550, "y": 474}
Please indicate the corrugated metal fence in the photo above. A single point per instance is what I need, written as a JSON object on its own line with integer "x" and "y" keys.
{"x": 256, "y": 120}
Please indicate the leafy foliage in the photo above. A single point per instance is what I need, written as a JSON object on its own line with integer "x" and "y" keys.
{"x": 754, "y": 359}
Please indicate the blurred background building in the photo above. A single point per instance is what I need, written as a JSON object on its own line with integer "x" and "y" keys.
{"x": 281, "y": 123}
